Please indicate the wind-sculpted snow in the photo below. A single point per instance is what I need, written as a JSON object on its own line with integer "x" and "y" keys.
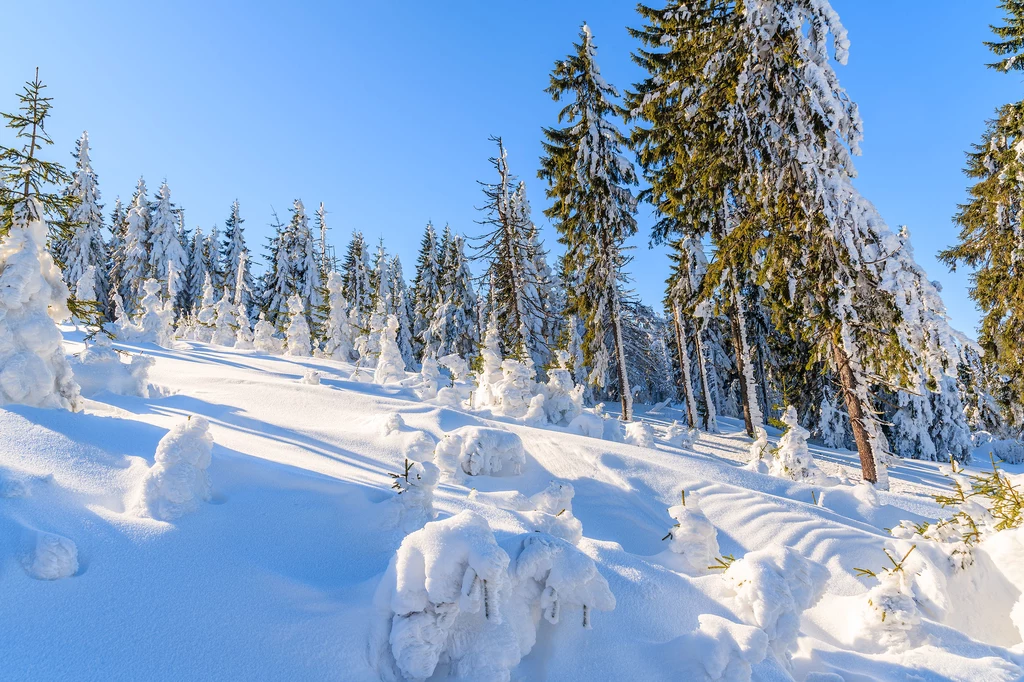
{"x": 178, "y": 482}
{"x": 476, "y": 451}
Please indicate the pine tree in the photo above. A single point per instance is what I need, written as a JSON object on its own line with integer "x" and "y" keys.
{"x": 744, "y": 109}
{"x": 401, "y": 308}
{"x": 195, "y": 275}
{"x": 234, "y": 258}
{"x": 33, "y": 297}
{"x": 138, "y": 244}
{"x": 86, "y": 247}
{"x": 302, "y": 251}
{"x": 593, "y": 207}
{"x": 991, "y": 240}
{"x": 279, "y": 278}
{"x": 340, "y": 337}
{"x": 459, "y": 303}
{"x": 426, "y": 289}
{"x": 115, "y": 256}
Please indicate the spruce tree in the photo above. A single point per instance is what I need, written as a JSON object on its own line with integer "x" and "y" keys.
{"x": 195, "y": 275}
{"x": 744, "y": 108}
{"x": 278, "y": 280}
{"x": 232, "y": 252}
{"x": 85, "y": 247}
{"x": 356, "y": 279}
{"x": 589, "y": 181}
{"x": 115, "y": 256}
{"x": 303, "y": 253}
{"x": 166, "y": 254}
{"x": 991, "y": 240}
{"x": 426, "y": 288}
{"x": 138, "y": 245}
{"x": 401, "y": 308}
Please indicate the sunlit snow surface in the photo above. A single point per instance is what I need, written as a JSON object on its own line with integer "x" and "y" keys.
{"x": 274, "y": 578}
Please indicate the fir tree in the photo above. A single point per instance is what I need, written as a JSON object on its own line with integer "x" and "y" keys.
{"x": 233, "y": 254}
{"x": 593, "y": 207}
{"x": 426, "y": 290}
{"x": 138, "y": 244}
{"x": 356, "y": 279}
{"x": 195, "y": 275}
{"x": 279, "y": 278}
{"x": 115, "y": 255}
{"x": 401, "y": 308}
{"x": 165, "y": 249}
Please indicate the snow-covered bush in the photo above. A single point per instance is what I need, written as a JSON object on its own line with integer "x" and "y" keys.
{"x": 456, "y": 366}
{"x": 680, "y": 436}
{"x": 178, "y": 480}
{"x": 99, "y": 368}
{"x": 588, "y": 424}
{"x": 243, "y": 330}
{"x": 550, "y": 511}
{"x": 726, "y": 651}
{"x": 771, "y": 588}
{"x": 263, "y": 336}
{"x": 490, "y": 374}
{"x": 341, "y": 335}
{"x": 552, "y": 580}
{"x": 480, "y": 451}
{"x": 156, "y": 322}
{"x": 85, "y": 288}
{"x": 792, "y": 459}
{"x": 297, "y": 334}
{"x": 390, "y": 364}
{"x": 224, "y": 327}
{"x": 430, "y": 378}
{"x": 418, "y": 446}
{"x": 758, "y": 449}
{"x": 536, "y": 414}
{"x": 33, "y": 367}
{"x": 890, "y": 614}
{"x": 640, "y": 434}
{"x": 415, "y": 496}
{"x": 443, "y": 592}
{"x": 693, "y": 541}
{"x": 511, "y": 396}
{"x": 206, "y": 318}
{"x": 1009, "y": 450}
{"x": 310, "y": 377}
{"x": 563, "y": 400}
{"x": 393, "y": 424}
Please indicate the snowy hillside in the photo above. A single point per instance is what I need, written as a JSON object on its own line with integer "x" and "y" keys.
{"x": 284, "y": 572}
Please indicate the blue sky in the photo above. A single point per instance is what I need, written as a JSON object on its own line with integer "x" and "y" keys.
{"x": 382, "y": 110}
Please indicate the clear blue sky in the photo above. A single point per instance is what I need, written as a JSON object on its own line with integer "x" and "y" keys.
{"x": 382, "y": 109}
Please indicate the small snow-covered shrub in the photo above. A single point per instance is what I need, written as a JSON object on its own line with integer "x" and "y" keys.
{"x": 99, "y": 368}
{"x": 680, "y": 436}
{"x": 480, "y": 451}
{"x": 792, "y": 459}
{"x": 419, "y": 446}
{"x": 890, "y": 615}
{"x": 390, "y": 365}
{"x": 430, "y": 378}
{"x": 156, "y": 323}
{"x": 392, "y": 424}
{"x": 53, "y": 557}
{"x": 310, "y": 377}
{"x": 563, "y": 400}
{"x": 243, "y": 329}
{"x": 512, "y": 395}
{"x": 443, "y": 591}
{"x": 771, "y": 588}
{"x": 693, "y": 541}
{"x": 415, "y": 496}
{"x": 297, "y": 334}
{"x": 551, "y": 580}
{"x": 263, "y": 336}
{"x": 456, "y": 366}
{"x": 640, "y": 434}
{"x": 178, "y": 480}
{"x": 224, "y": 329}
{"x": 588, "y": 424}
{"x": 1008, "y": 450}
{"x": 536, "y": 414}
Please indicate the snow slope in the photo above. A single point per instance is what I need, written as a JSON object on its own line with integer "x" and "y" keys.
{"x": 275, "y": 577}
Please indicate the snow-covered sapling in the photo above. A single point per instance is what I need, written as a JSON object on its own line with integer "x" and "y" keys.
{"x": 693, "y": 541}
{"x": 680, "y": 436}
{"x": 415, "y": 497}
{"x": 758, "y": 449}
{"x": 430, "y": 378}
{"x": 263, "y": 336}
{"x": 563, "y": 400}
{"x": 52, "y": 558}
{"x": 243, "y": 330}
{"x": 178, "y": 480}
{"x": 390, "y": 364}
{"x": 310, "y": 377}
{"x": 226, "y": 319}
{"x": 792, "y": 459}
{"x": 297, "y": 333}
{"x": 891, "y": 614}
{"x": 480, "y": 451}
{"x": 156, "y": 323}
{"x": 640, "y": 434}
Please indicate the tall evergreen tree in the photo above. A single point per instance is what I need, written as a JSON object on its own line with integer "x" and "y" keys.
{"x": 278, "y": 280}
{"x": 138, "y": 245}
{"x": 86, "y": 246}
{"x": 115, "y": 255}
{"x": 196, "y": 274}
{"x": 426, "y": 288}
{"x": 356, "y": 279}
{"x": 593, "y": 207}
{"x": 231, "y": 258}
{"x": 166, "y": 255}
{"x": 991, "y": 239}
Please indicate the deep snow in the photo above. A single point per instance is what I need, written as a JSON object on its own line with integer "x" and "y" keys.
{"x": 275, "y": 576}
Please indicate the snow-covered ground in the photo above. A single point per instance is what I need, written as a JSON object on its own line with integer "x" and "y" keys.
{"x": 279, "y": 574}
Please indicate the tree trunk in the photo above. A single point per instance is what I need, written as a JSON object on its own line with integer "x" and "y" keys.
{"x": 741, "y": 362}
{"x": 710, "y": 420}
{"x": 625, "y": 393}
{"x": 684, "y": 364}
{"x": 848, "y": 380}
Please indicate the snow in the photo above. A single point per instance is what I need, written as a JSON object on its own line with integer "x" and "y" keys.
{"x": 54, "y": 557}
{"x": 274, "y": 576}
{"x": 178, "y": 480}
{"x": 480, "y": 451}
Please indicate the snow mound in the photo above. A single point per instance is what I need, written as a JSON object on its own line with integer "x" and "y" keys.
{"x": 392, "y": 423}
{"x": 99, "y": 368}
{"x": 480, "y": 451}
{"x": 693, "y": 541}
{"x": 771, "y": 588}
{"x": 890, "y": 615}
{"x": 549, "y": 511}
{"x": 680, "y": 436}
{"x": 178, "y": 479}
{"x": 588, "y": 424}
{"x": 726, "y": 650}
{"x": 53, "y": 557}
{"x": 419, "y": 446}
{"x": 416, "y": 495}
{"x": 311, "y": 377}
{"x": 640, "y": 434}
{"x": 443, "y": 590}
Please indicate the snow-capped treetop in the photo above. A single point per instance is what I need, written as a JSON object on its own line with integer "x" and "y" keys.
{"x": 165, "y": 248}
{"x": 86, "y": 246}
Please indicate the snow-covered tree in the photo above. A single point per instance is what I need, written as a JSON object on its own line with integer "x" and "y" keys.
{"x": 297, "y": 333}
{"x": 165, "y": 249}
{"x": 206, "y": 316}
{"x": 401, "y": 308}
{"x": 390, "y": 365}
{"x": 340, "y": 336}
{"x": 33, "y": 296}
{"x": 456, "y": 327}
{"x": 426, "y": 291}
{"x": 156, "y": 317}
{"x": 305, "y": 264}
{"x": 264, "y": 338}
{"x": 225, "y": 325}
{"x": 792, "y": 458}
{"x": 589, "y": 180}
{"x": 235, "y": 260}
{"x": 86, "y": 247}
{"x": 278, "y": 281}
{"x": 356, "y": 279}
{"x": 115, "y": 256}
{"x": 509, "y": 254}
{"x": 135, "y": 268}
{"x": 244, "y": 338}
